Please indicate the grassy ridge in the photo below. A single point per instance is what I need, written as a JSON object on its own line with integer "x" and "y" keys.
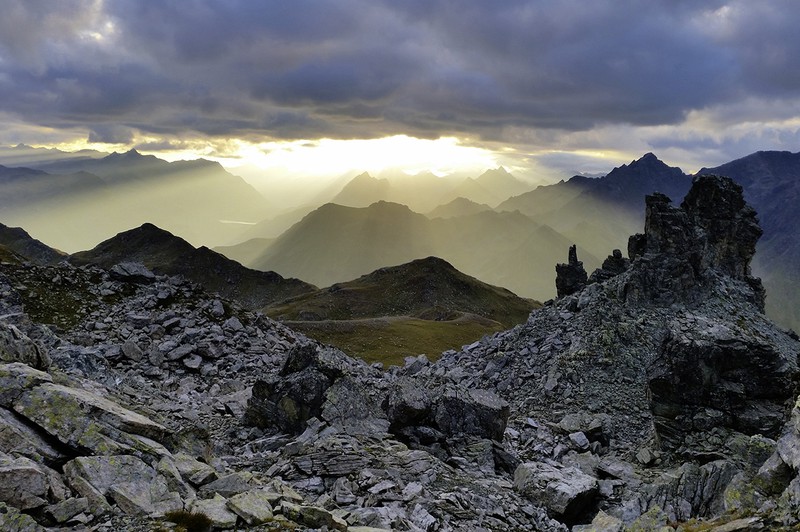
{"x": 390, "y": 339}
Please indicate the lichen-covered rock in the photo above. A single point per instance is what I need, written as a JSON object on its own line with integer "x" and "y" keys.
{"x": 23, "y": 483}
{"x": 312, "y": 516}
{"x": 83, "y": 420}
{"x": 254, "y": 506}
{"x": 16, "y": 378}
{"x": 133, "y": 485}
{"x": 12, "y": 520}
{"x": 216, "y": 509}
{"x": 19, "y": 439}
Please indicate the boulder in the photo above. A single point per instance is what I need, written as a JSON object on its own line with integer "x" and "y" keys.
{"x": 254, "y": 506}
{"x": 132, "y": 272}
{"x": 430, "y": 414}
{"x": 12, "y": 520}
{"x": 566, "y": 492}
{"x": 312, "y": 516}
{"x": 133, "y": 485}
{"x": 217, "y": 510}
{"x": 16, "y": 378}
{"x": 15, "y": 346}
{"x": 23, "y": 483}
{"x": 19, "y": 439}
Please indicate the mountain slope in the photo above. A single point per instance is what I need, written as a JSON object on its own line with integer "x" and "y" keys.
{"x": 424, "y": 306}
{"x": 165, "y": 253}
{"x": 458, "y": 207}
{"x": 21, "y": 243}
{"x": 426, "y": 287}
{"x": 336, "y": 243}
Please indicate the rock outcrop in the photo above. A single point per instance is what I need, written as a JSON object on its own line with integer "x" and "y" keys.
{"x": 570, "y": 277}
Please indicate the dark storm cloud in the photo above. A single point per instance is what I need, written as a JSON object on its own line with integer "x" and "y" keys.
{"x": 359, "y": 68}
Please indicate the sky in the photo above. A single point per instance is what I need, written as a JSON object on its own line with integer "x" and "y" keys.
{"x": 302, "y": 87}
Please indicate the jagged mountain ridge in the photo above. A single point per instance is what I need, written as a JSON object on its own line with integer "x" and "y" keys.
{"x": 165, "y": 253}
{"x": 425, "y": 191}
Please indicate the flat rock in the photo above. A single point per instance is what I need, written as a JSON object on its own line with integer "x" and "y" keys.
{"x": 15, "y": 378}
{"x": 79, "y": 418}
{"x": 253, "y": 506}
{"x": 217, "y": 510}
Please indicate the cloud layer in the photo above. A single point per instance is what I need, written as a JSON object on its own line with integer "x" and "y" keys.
{"x": 516, "y": 71}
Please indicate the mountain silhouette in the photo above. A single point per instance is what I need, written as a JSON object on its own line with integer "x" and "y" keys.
{"x": 165, "y": 253}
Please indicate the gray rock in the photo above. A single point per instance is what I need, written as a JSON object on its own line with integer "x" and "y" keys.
{"x": 82, "y": 419}
{"x": 23, "y": 483}
{"x": 21, "y": 440}
{"x": 134, "y": 272}
{"x": 16, "y": 378}
{"x": 565, "y": 491}
{"x": 228, "y": 485}
{"x": 16, "y": 346}
{"x": 312, "y": 516}
{"x": 131, "y": 350}
{"x": 217, "y": 510}
{"x": 65, "y": 510}
{"x": 12, "y": 520}
{"x": 254, "y": 506}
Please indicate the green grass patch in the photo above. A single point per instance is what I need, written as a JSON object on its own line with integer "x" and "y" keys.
{"x": 389, "y": 340}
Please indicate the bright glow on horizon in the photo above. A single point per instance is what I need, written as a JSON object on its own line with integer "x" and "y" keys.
{"x": 326, "y": 157}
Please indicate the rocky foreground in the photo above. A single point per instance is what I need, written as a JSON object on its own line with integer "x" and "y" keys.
{"x": 653, "y": 394}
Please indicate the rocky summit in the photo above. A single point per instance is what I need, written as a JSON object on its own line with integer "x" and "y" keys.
{"x": 651, "y": 395}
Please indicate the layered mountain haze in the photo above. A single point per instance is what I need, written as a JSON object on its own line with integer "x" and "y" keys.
{"x": 425, "y": 191}
{"x": 74, "y": 203}
{"x": 335, "y": 243}
{"x": 458, "y": 207}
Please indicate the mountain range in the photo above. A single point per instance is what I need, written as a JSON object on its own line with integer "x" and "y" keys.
{"x": 424, "y": 192}
{"x": 335, "y": 243}
{"x": 73, "y": 203}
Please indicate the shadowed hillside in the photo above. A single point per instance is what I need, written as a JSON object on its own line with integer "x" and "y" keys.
{"x": 165, "y": 253}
